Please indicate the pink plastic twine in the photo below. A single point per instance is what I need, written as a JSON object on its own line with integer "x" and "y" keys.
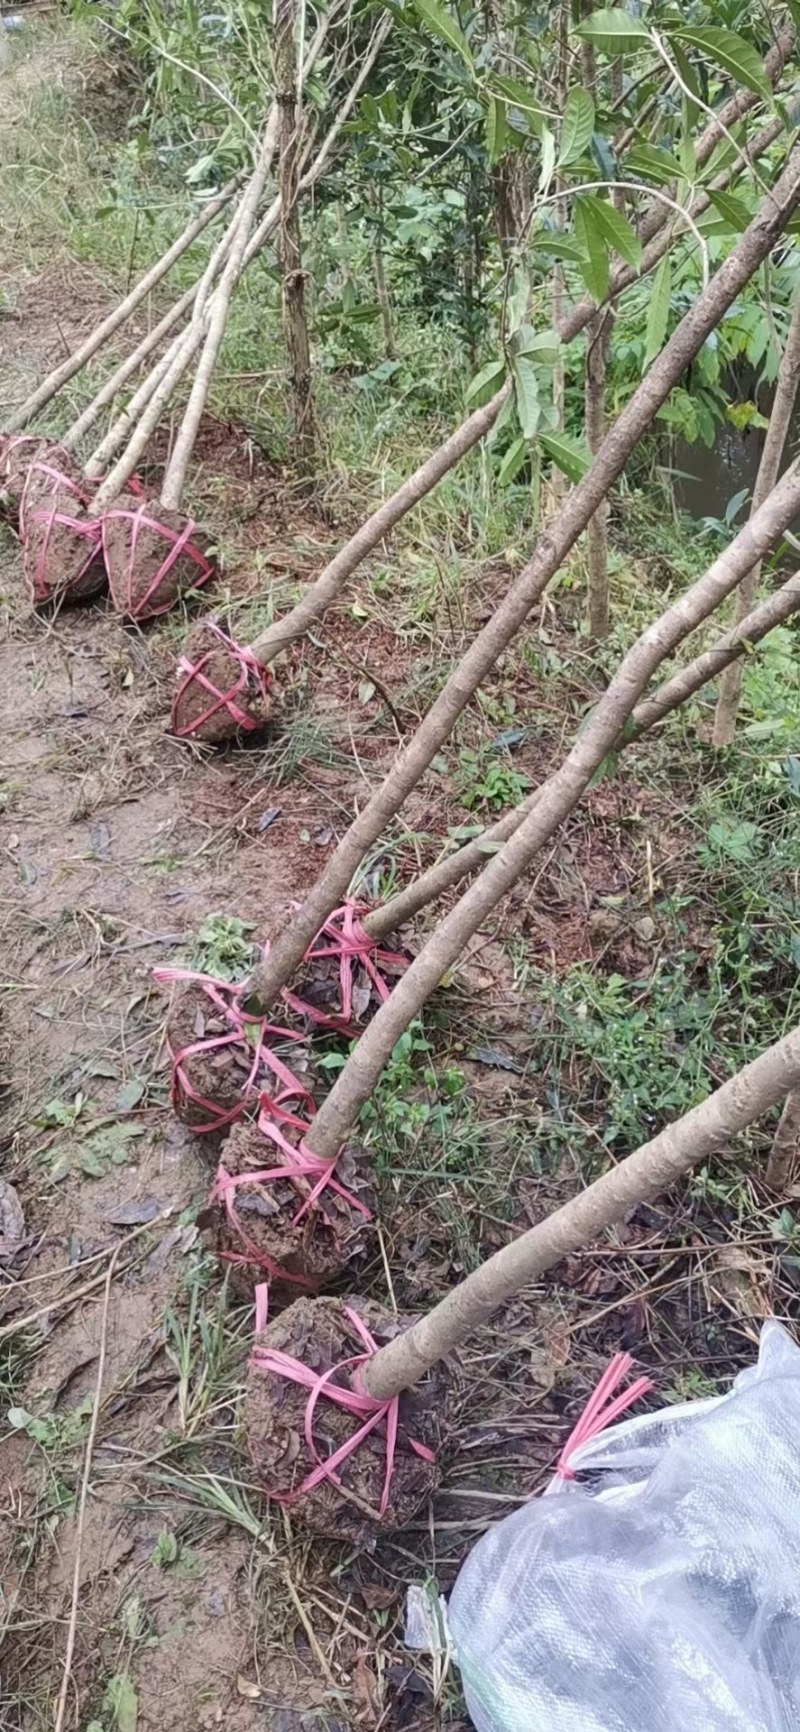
{"x": 226, "y": 998}
{"x": 50, "y": 514}
{"x": 351, "y": 943}
{"x": 321, "y": 1387}
{"x": 249, "y": 669}
{"x": 299, "y": 1162}
{"x": 181, "y": 544}
{"x": 601, "y": 1411}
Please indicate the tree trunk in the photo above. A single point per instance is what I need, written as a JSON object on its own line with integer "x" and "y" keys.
{"x": 785, "y": 1152}
{"x": 556, "y": 799}
{"x": 598, "y": 336}
{"x": 557, "y": 476}
{"x": 295, "y": 322}
{"x": 550, "y": 552}
{"x": 730, "y": 691}
{"x": 646, "y": 1174}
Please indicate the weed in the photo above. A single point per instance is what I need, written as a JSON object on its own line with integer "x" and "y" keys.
{"x": 486, "y": 780}
{"x": 222, "y": 947}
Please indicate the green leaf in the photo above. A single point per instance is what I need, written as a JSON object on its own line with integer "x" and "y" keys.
{"x": 496, "y": 129}
{"x": 658, "y": 310}
{"x": 732, "y": 208}
{"x": 653, "y": 163}
{"x": 569, "y": 454}
{"x": 614, "y": 30}
{"x": 687, "y": 152}
{"x": 577, "y": 126}
{"x": 735, "y": 837}
{"x": 526, "y": 391}
{"x": 548, "y": 161}
{"x": 594, "y": 263}
{"x": 165, "y": 1550}
{"x": 557, "y": 246}
{"x": 130, "y": 1095}
{"x": 691, "y": 107}
{"x": 730, "y": 53}
{"x": 617, "y": 230}
{"x": 121, "y": 1700}
{"x": 481, "y": 388}
{"x": 543, "y": 345}
{"x": 442, "y": 24}
{"x": 517, "y": 94}
{"x": 606, "y": 767}
{"x": 512, "y": 461}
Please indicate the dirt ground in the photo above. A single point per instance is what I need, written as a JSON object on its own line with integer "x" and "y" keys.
{"x": 196, "y": 1606}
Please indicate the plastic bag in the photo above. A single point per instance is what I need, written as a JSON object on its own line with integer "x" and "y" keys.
{"x": 660, "y": 1590}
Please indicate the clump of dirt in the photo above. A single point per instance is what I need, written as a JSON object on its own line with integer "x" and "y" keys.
{"x": 17, "y": 452}
{"x": 320, "y": 1334}
{"x": 265, "y": 1238}
{"x": 210, "y": 1081}
{"x": 153, "y": 556}
{"x": 221, "y": 691}
{"x": 62, "y": 552}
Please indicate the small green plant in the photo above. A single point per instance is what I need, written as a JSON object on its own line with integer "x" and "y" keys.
{"x": 165, "y": 1550}
{"x": 486, "y": 780}
{"x": 223, "y": 947}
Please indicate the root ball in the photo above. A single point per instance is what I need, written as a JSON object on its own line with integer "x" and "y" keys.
{"x": 153, "y": 556}
{"x": 320, "y": 1334}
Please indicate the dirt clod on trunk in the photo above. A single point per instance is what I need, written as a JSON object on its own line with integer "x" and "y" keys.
{"x": 218, "y": 695}
{"x": 267, "y": 1241}
{"x": 319, "y": 1333}
{"x": 153, "y": 556}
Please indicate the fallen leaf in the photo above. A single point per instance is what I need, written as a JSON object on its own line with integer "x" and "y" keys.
{"x": 133, "y": 1214}
{"x": 12, "y": 1220}
{"x": 361, "y": 1001}
{"x": 268, "y": 817}
{"x": 366, "y": 1690}
{"x": 246, "y": 1687}
{"x": 741, "y": 1281}
{"x": 100, "y": 838}
{"x": 377, "y": 1598}
{"x": 495, "y": 1058}
{"x": 129, "y": 1095}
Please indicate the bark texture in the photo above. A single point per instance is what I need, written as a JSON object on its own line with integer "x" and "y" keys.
{"x": 643, "y": 1175}
{"x": 785, "y": 1152}
{"x": 290, "y": 250}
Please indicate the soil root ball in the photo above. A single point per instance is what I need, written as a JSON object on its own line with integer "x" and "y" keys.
{"x": 210, "y": 1066}
{"x": 221, "y": 689}
{"x": 258, "y": 1235}
{"x": 320, "y": 1334}
{"x": 153, "y": 556}
{"x": 62, "y": 546}
{"x": 17, "y": 452}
